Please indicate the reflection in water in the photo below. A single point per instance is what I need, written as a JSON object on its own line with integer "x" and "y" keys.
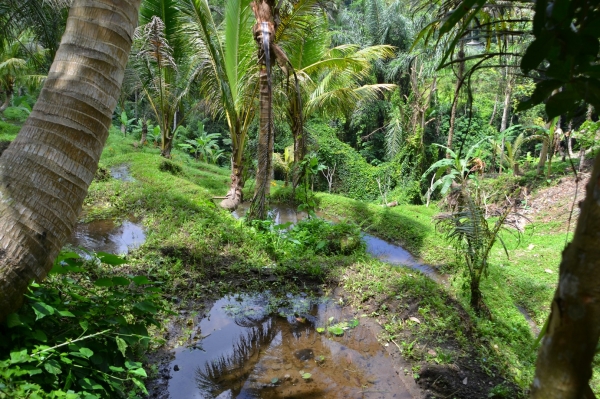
{"x": 266, "y": 360}
{"x": 121, "y": 172}
{"x": 397, "y": 255}
{"x": 106, "y": 236}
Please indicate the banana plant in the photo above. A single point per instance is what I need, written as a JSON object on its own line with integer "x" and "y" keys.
{"x": 126, "y": 123}
{"x": 455, "y": 169}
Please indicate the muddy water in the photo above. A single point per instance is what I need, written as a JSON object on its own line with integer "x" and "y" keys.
{"x": 245, "y": 353}
{"x": 107, "y": 236}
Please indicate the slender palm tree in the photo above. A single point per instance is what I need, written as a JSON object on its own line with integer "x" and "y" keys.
{"x": 165, "y": 67}
{"x": 46, "y": 171}
{"x": 330, "y": 81}
{"x": 227, "y": 74}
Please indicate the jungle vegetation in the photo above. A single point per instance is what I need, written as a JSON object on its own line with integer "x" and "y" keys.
{"x": 454, "y": 105}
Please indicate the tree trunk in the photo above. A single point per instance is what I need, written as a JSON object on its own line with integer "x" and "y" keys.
{"x": 476, "y": 297}
{"x": 46, "y": 171}
{"x": 9, "y": 96}
{"x": 297, "y": 127}
{"x": 494, "y": 111}
{"x": 258, "y": 210}
{"x": 459, "y": 82}
{"x": 144, "y": 132}
{"x": 564, "y": 360}
{"x": 234, "y": 197}
{"x": 166, "y": 145}
{"x": 264, "y": 35}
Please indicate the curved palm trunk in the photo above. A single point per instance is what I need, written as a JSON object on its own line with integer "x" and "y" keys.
{"x": 143, "y": 139}
{"x": 564, "y": 360}
{"x": 46, "y": 171}
{"x": 9, "y": 95}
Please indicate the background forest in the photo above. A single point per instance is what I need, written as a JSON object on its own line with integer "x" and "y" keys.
{"x": 459, "y": 130}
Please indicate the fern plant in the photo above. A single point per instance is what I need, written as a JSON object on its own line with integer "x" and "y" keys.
{"x": 473, "y": 235}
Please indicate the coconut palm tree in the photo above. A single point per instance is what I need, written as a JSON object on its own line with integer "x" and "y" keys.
{"x": 330, "y": 81}
{"x": 46, "y": 171}
{"x": 227, "y": 74}
{"x": 165, "y": 67}
{"x": 18, "y": 61}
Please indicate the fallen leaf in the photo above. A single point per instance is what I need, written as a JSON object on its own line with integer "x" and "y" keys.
{"x": 465, "y": 381}
{"x": 415, "y": 320}
{"x": 530, "y": 247}
{"x": 548, "y": 271}
{"x": 432, "y": 352}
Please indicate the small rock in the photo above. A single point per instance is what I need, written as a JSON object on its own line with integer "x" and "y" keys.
{"x": 176, "y": 368}
{"x": 432, "y": 352}
{"x": 287, "y": 377}
{"x": 465, "y": 381}
{"x": 530, "y": 247}
{"x": 548, "y": 271}
{"x": 415, "y": 320}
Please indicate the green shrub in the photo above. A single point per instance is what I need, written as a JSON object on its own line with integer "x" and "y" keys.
{"x": 170, "y": 167}
{"x": 354, "y": 177}
{"x": 79, "y": 335}
{"x": 8, "y": 131}
{"x": 17, "y": 114}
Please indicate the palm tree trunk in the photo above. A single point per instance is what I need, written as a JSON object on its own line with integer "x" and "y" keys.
{"x": 9, "y": 95}
{"x": 144, "y": 132}
{"x": 46, "y": 171}
{"x": 258, "y": 209}
{"x": 459, "y": 82}
{"x": 264, "y": 34}
{"x": 234, "y": 196}
{"x": 564, "y": 360}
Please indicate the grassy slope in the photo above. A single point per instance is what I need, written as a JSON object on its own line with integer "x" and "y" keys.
{"x": 199, "y": 251}
{"x": 193, "y": 245}
{"x": 522, "y": 279}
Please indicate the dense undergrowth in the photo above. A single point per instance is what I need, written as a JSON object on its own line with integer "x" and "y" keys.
{"x": 195, "y": 251}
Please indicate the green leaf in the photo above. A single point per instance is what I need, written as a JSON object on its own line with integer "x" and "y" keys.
{"x": 86, "y": 352}
{"x": 110, "y": 259}
{"x": 146, "y": 306}
{"x": 39, "y": 335}
{"x": 104, "y": 282}
{"x": 116, "y": 369}
{"x": 52, "y": 366}
{"x": 306, "y": 376}
{"x": 336, "y": 330}
{"x": 19, "y": 357}
{"x": 121, "y": 281}
{"x": 132, "y": 365}
{"x": 121, "y": 344}
{"x": 139, "y": 371}
{"x": 84, "y": 324}
{"x": 353, "y": 323}
{"x": 320, "y": 330}
{"x": 140, "y": 385}
{"x": 65, "y": 313}
{"x": 140, "y": 280}
{"x": 13, "y": 320}
{"x": 42, "y": 310}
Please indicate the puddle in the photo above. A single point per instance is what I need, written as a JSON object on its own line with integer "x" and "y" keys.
{"x": 106, "y": 236}
{"x": 397, "y": 255}
{"x": 381, "y": 249}
{"x": 121, "y": 172}
{"x": 535, "y": 330}
{"x": 240, "y": 351}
